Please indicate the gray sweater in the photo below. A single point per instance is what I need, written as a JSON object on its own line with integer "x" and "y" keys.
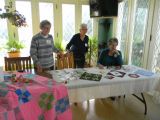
{"x": 41, "y": 50}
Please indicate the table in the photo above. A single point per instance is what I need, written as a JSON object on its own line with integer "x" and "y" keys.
{"x": 40, "y": 99}
{"x": 80, "y": 90}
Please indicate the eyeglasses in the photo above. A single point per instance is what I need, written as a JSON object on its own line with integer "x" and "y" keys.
{"x": 84, "y": 29}
{"x": 46, "y": 28}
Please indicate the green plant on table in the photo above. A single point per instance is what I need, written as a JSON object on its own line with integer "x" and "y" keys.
{"x": 13, "y": 45}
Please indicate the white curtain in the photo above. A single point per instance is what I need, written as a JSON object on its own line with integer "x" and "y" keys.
{"x": 155, "y": 50}
{"x": 156, "y": 93}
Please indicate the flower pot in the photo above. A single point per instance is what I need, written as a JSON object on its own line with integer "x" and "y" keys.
{"x": 14, "y": 54}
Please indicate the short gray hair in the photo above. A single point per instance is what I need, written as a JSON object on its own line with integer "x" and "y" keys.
{"x": 83, "y": 25}
{"x": 44, "y": 23}
{"x": 110, "y": 41}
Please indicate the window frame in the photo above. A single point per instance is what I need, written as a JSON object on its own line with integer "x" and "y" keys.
{"x": 130, "y": 30}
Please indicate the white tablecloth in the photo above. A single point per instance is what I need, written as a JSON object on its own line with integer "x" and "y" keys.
{"x": 81, "y": 90}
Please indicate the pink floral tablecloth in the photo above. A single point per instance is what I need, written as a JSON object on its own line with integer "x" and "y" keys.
{"x": 41, "y": 99}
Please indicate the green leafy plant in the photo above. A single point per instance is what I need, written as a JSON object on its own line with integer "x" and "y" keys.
{"x": 58, "y": 44}
{"x": 92, "y": 55}
{"x": 13, "y": 45}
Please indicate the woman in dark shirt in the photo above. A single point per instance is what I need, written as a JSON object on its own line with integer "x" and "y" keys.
{"x": 79, "y": 46}
{"x": 110, "y": 56}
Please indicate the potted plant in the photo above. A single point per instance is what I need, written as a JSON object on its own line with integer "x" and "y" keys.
{"x": 13, "y": 47}
{"x": 59, "y": 45}
{"x": 92, "y": 54}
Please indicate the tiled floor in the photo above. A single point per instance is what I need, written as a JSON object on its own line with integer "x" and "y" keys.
{"x": 121, "y": 109}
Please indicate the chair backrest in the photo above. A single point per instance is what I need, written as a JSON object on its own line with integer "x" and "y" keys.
{"x": 18, "y": 63}
{"x": 67, "y": 61}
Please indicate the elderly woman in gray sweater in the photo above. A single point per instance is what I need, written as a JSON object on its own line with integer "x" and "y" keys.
{"x": 42, "y": 48}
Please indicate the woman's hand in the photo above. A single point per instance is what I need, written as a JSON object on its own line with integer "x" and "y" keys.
{"x": 60, "y": 54}
{"x": 68, "y": 53}
{"x": 114, "y": 53}
{"x": 118, "y": 67}
{"x": 100, "y": 66}
{"x": 39, "y": 69}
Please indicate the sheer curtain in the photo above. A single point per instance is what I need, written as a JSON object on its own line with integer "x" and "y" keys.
{"x": 154, "y": 51}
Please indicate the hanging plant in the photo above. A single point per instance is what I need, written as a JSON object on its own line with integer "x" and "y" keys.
{"x": 14, "y": 17}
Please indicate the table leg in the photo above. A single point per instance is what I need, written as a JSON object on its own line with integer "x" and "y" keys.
{"x": 142, "y": 100}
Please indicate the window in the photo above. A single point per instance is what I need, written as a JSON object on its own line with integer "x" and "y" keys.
{"x": 122, "y": 25}
{"x": 3, "y": 34}
{"x": 25, "y": 33}
{"x": 86, "y": 19}
{"x": 68, "y": 21}
{"x": 46, "y": 13}
{"x": 140, "y": 24}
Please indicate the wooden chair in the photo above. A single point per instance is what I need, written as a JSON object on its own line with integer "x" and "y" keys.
{"x": 18, "y": 64}
{"x": 67, "y": 61}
